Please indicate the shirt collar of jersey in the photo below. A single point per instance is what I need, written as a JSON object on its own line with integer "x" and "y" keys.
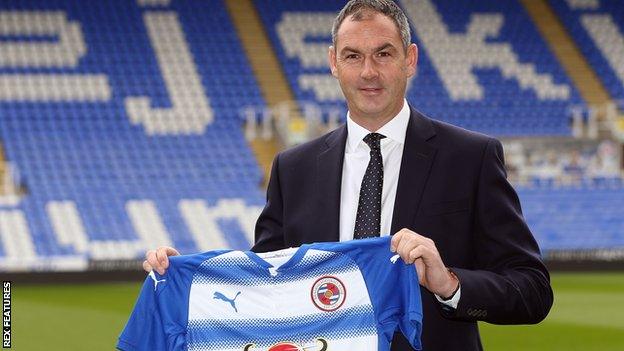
{"x": 395, "y": 129}
{"x": 296, "y": 257}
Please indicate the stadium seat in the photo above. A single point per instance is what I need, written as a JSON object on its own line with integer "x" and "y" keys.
{"x": 100, "y": 186}
{"x": 513, "y": 85}
{"x": 598, "y": 30}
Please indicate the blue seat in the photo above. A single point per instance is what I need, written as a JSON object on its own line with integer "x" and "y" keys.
{"x": 91, "y": 154}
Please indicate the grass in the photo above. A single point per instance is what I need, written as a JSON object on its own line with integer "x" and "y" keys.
{"x": 587, "y": 315}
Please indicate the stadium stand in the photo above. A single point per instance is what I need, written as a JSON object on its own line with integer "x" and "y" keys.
{"x": 598, "y": 29}
{"x": 123, "y": 119}
{"x": 507, "y": 83}
{"x": 571, "y": 194}
{"x": 581, "y": 218}
{"x": 481, "y": 63}
{"x": 124, "y": 124}
{"x": 3, "y": 172}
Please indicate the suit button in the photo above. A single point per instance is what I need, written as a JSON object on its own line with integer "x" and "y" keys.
{"x": 475, "y": 312}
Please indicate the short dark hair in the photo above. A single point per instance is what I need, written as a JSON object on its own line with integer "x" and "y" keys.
{"x": 388, "y": 8}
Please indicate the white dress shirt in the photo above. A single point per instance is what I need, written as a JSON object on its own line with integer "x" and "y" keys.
{"x": 356, "y": 158}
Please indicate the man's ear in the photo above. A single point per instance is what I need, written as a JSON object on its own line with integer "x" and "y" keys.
{"x": 411, "y": 58}
{"x": 331, "y": 56}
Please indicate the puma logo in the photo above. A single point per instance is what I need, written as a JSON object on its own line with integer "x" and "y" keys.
{"x": 156, "y": 281}
{"x": 220, "y": 296}
{"x": 394, "y": 258}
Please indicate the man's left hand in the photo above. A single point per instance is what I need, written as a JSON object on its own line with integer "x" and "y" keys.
{"x": 422, "y": 252}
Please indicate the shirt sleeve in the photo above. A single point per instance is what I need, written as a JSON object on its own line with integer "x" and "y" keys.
{"x": 144, "y": 330}
{"x": 453, "y": 301}
{"x": 157, "y": 321}
{"x": 393, "y": 288}
{"x": 410, "y": 322}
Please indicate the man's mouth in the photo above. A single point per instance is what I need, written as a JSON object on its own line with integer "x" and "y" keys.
{"x": 371, "y": 91}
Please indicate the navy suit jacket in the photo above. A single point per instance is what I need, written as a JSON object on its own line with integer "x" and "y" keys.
{"x": 453, "y": 189}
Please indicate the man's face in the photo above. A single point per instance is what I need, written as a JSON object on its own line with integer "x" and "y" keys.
{"x": 371, "y": 66}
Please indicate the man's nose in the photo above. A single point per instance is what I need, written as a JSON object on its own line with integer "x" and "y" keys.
{"x": 369, "y": 70}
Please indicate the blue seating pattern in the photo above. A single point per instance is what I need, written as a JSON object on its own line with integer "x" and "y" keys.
{"x": 90, "y": 153}
{"x": 575, "y": 218}
{"x": 505, "y": 109}
{"x": 572, "y": 20}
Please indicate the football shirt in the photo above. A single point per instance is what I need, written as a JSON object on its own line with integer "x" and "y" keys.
{"x": 326, "y": 296}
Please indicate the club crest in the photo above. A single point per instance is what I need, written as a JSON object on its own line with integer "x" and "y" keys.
{"x": 328, "y": 293}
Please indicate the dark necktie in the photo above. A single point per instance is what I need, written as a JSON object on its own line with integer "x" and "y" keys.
{"x": 368, "y": 219}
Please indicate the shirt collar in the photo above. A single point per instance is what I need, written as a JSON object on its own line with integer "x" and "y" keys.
{"x": 395, "y": 129}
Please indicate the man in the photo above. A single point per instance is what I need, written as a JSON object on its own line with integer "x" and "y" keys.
{"x": 440, "y": 189}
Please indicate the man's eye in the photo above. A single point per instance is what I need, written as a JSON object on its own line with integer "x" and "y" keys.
{"x": 384, "y": 54}
{"x": 351, "y": 57}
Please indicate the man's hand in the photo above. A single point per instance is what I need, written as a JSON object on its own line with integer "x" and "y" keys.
{"x": 158, "y": 259}
{"x": 422, "y": 252}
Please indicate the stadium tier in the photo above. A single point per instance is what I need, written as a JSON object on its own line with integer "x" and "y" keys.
{"x": 123, "y": 118}
{"x": 575, "y": 218}
{"x": 482, "y": 64}
{"x": 124, "y": 123}
{"x": 597, "y": 26}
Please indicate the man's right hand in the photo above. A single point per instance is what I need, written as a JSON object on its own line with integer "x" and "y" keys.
{"x": 158, "y": 259}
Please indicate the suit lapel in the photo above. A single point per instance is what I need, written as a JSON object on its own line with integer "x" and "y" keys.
{"x": 329, "y": 181}
{"x": 416, "y": 163}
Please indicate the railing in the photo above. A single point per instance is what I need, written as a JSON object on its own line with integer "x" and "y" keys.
{"x": 549, "y": 162}
{"x": 600, "y": 121}
{"x": 263, "y": 122}
{"x": 592, "y": 157}
{"x": 11, "y": 187}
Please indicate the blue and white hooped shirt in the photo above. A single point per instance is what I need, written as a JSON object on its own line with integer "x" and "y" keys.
{"x": 319, "y": 297}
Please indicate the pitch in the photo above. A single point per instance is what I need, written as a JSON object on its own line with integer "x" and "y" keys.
{"x": 586, "y": 316}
